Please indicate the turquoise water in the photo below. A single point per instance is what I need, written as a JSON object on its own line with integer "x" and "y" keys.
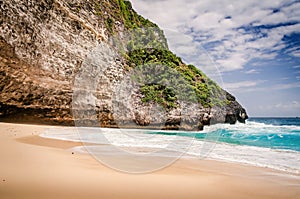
{"x": 274, "y": 133}
{"x": 277, "y": 121}
{"x": 263, "y": 142}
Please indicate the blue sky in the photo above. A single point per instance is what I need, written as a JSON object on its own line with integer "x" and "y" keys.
{"x": 250, "y": 47}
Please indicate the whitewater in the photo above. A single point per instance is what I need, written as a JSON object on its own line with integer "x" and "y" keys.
{"x": 264, "y": 142}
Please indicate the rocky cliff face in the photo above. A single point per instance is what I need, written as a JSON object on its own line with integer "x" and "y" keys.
{"x": 72, "y": 61}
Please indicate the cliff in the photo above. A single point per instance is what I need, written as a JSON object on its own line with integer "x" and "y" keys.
{"x": 73, "y": 62}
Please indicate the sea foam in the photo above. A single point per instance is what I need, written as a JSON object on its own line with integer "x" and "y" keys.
{"x": 254, "y": 143}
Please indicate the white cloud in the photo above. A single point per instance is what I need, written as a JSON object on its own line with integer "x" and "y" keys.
{"x": 233, "y": 62}
{"x": 284, "y": 105}
{"x": 292, "y": 11}
{"x": 284, "y": 78}
{"x": 295, "y": 53}
{"x": 285, "y": 108}
{"x": 210, "y": 20}
{"x": 286, "y": 86}
{"x": 215, "y": 26}
{"x": 274, "y": 18}
{"x": 242, "y": 85}
{"x": 252, "y": 71}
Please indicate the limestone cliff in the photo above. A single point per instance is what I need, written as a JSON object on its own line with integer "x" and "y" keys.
{"x": 46, "y": 66}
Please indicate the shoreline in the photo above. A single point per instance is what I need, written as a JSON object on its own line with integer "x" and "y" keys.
{"x": 222, "y": 152}
{"x": 69, "y": 145}
{"x": 32, "y": 166}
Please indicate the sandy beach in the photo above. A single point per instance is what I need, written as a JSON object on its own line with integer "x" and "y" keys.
{"x": 35, "y": 167}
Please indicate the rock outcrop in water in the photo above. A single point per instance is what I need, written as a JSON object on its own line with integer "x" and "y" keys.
{"x": 47, "y": 46}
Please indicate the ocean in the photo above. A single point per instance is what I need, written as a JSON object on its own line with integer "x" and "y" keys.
{"x": 263, "y": 142}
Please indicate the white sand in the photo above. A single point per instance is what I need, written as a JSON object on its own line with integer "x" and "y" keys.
{"x": 34, "y": 167}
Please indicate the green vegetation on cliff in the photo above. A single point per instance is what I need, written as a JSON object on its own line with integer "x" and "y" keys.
{"x": 146, "y": 44}
{"x": 207, "y": 92}
{"x": 116, "y": 12}
{"x": 159, "y": 94}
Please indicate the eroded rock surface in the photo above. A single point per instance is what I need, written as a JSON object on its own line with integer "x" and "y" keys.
{"x": 45, "y": 45}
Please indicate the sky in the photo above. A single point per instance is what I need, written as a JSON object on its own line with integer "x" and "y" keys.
{"x": 251, "y": 47}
